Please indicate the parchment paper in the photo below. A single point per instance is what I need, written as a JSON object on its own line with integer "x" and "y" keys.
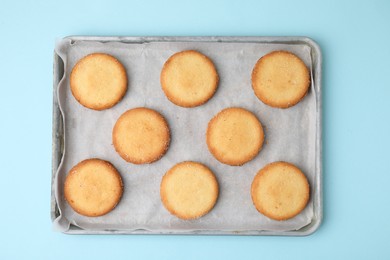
{"x": 289, "y": 136}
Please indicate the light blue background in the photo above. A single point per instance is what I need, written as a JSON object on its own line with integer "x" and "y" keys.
{"x": 355, "y": 40}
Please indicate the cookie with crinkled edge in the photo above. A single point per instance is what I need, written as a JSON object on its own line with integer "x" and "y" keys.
{"x": 141, "y": 135}
{"x": 280, "y": 79}
{"x": 234, "y": 136}
{"x": 280, "y": 191}
{"x": 189, "y": 190}
{"x": 98, "y": 81}
{"x": 189, "y": 78}
{"x": 93, "y": 187}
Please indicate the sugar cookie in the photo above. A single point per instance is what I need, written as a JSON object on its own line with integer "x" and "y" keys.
{"x": 280, "y": 191}
{"x": 189, "y": 78}
{"x": 189, "y": 190}
{"x": 98, "y": 81}
{"x": 141, "y": 135}
{"x": 234, "y": 136}
{"x": 93, "y": 187}
{"x": 280, "y": 79}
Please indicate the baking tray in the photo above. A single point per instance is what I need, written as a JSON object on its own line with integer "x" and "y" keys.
{"x": 316, "y": 193}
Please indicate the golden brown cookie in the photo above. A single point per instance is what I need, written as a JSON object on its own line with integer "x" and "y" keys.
{"x": 189, "y": 190}
{"x": 93, "y": 187}
{"x": 189, "y": 78}
{"x": 234, "y": 136}
{"x": 98, "y": 81}
{"x": 280, "y": 191}
{"x": 280, "y": 79}
{"x": 141, "y": 135}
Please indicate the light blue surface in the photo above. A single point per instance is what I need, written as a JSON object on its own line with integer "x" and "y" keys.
{"x": 355, "y": 39}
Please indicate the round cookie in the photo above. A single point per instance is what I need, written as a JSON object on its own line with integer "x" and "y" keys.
{"x": 98, "y": 81}
{"x": 141, "y": 135}
{"x": 93, "y": 187}
{"x": 234, "y": 136}
{"x": 189, "y": 190}
{"x": 189, "y": 78}
{"x": 280, "y": 191}
{"x": 280, "y": 79}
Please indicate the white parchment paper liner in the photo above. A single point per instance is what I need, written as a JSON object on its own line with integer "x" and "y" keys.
{"x": 290, "y": 136}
